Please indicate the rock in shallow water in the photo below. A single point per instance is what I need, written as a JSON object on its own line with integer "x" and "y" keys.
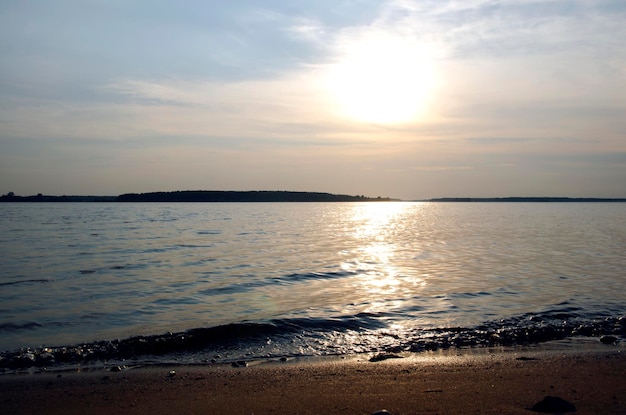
{"x": 384, "y": 356}
{"x": 239, "y": 363}
{"x": 609, "y": 339}
{"x": 553, "y": 404}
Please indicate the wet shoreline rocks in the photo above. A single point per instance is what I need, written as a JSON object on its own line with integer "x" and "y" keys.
{"x": 516, "y": 331}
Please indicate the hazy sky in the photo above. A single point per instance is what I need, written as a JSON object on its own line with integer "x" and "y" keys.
{"x": 401, "y": 98}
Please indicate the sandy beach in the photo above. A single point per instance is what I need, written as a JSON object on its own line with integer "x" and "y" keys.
{"x": 437, "y": 383}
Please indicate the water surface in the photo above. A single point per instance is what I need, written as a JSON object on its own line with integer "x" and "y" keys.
{"x": 306, "y": 278}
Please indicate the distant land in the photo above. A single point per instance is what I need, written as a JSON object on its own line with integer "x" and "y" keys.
{"x": 217, "y": 196}
{"x": 201, "y": 196}
{"x": 525, "y": 199}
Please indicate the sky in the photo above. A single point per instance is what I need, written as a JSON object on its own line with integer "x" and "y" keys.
{"x": 408, "y": 99}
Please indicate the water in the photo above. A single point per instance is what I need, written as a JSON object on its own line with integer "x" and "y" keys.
{"x": 289, "y": 279}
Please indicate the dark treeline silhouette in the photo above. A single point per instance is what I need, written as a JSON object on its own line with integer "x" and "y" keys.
{"x": 525, "y": 199}
{"x": 237, "y": 196}
{"x": 200, "y": 196}
{"x": 272, "y": 196}
{"x": 11, "y": 197}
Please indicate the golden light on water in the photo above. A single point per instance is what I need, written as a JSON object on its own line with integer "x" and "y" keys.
{"x": 381, "y": 273}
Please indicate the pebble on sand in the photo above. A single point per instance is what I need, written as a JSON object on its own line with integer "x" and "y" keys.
{"x": 384, "y": 356}
{"x": 553, "y": 404}
{"x": 609, "y": 339}
{"x": 239, "y": 363}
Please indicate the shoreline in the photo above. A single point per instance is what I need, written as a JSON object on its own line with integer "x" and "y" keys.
{"x": 487, "y": 381}
{"x": 202, "y": 345}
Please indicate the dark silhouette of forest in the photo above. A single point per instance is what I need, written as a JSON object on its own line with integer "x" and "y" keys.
{"x": 201, "y": 196}
{"x": 271, "y": 196}
{"x": 525, "y": 199}
{"x": 238, "y": 196}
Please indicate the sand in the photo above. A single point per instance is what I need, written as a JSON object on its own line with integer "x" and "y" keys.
{"x": 429, "y": 383}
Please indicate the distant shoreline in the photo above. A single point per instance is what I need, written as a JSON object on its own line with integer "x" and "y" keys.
{"x": 220, "y": 196}
{"x": 213, "y": 196}
{"x": 525, "y": 199}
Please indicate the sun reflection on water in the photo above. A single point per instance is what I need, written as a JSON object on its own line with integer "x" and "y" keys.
{"x": 383, "y": 280}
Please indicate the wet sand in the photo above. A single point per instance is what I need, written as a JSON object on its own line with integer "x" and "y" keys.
{"x": 448, "y": 383}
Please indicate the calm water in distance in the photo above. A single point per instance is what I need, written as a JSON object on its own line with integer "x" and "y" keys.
{"x": 76, "y": 272}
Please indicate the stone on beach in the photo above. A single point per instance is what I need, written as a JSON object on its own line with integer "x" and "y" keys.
{"x": 239, "y": 363}
{"x": 553, "y": 404}
{"x": 384, "y": 356}
{"x": 609, "y": 339}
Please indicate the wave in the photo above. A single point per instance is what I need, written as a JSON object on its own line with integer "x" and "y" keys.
{"x": 11, "y": 327}
{"x": 364, "y": 332}
{"x": 29, "y": 281}
{"x": 274, "y": 281}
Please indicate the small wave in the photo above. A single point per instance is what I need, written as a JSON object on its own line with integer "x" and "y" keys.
{"x": 194, "y": 245}
{"x": 199, "y": 262}
{"x": 10, "y": 327}
{"x": 209, "y": 232}
{"x": 274, "y": 281}
{"x": 471, "y": 294}
{"x": 165, "y": 220}
{"x": 31, "y": 281}
{"x": 228, "y": 289}
{"x": 291, "y": 278}
{"x": 360, "y": 333}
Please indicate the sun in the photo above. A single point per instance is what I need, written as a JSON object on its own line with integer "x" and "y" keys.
{"x": 381, "y": 79}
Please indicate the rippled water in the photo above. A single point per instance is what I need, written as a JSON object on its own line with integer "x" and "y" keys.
{"x": 314, "y": 278}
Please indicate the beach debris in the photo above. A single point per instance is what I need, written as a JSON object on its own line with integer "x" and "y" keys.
{"x": 609, "y": 339}
{"x": 28, "y": 358}
{"x": 239, "y": 363}
{"x": 46, "y": 358}
{"x": 382, "y": 412}
{"x": 171, "y": 374}
{"x": 553, "y": 404}
{"x": 384, "y": 356}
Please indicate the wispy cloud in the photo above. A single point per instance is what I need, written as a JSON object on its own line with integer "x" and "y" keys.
{"x": 442, "y": 168}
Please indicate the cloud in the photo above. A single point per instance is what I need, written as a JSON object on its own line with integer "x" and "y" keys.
{"x": 442, "y": 168}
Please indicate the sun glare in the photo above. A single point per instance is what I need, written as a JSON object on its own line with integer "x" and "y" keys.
{"x": 379, "y": 260}
{"x": 381, "y": 79}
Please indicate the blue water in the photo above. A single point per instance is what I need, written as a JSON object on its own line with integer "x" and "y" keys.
{"x": 270, "y": 279}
